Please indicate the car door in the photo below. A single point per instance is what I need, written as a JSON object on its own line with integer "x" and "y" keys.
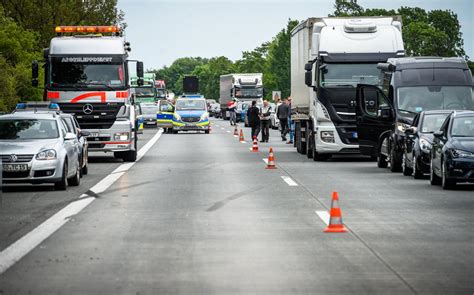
{"x": 164, "y": 117}
{"x": 375, "y": 116}
{"x": 412, "y": 138}
{"x": 69, "y": 147}
{"x": 438, "y": 144}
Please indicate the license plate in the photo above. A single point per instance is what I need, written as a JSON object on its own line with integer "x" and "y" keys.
{"x": 354, "y": 135}
{"x": 15, "y": 167}
{"x": 93, "y": 134}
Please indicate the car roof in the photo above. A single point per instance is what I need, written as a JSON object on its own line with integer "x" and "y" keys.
{"x": 437, "y": 112}
{"x": 463, "y": 113}
{"x": 30, "y": 115}
{"x": 420, "y": 62}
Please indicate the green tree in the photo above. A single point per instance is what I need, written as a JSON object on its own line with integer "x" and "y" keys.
{"x": 347, "y": 8}
{"x": 17, "y": 50}
{"x": 209, "y": 75}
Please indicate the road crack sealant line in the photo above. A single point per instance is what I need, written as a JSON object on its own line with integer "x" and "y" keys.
{"x": 16, "y": 251}
{"x": 371, "y": 250}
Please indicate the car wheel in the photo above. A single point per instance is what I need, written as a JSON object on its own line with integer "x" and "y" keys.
{"x": 62, "y": 184}
{"x": 76, "y": 179}
{"x": 382, "y": 161}
{"x": 434, "y": 179}
{"x": 446, "y": 183}
{"x": 395, "y": 163}
{"x": 417, "y": 173}
{"x": 407, "y": 171}
{"x": 207, "y": 131}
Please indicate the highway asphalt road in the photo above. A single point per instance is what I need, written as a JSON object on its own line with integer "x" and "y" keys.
{"x": 200, "y": 214}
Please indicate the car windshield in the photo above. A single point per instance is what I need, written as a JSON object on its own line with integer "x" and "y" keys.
{"x": 66, "y": 74}
{"x": 144, "y": 91}
{"x": 463, "y": 126}
{"x": 349, "y": 74}
{"x": 161, "y": 93}
{"x": 426, "y": 98}
{"x": 21, "y": 129}
{"x": 432, "y": 122}
{"x": 149, "y": 109}
{"x": 248, "y": 92}
{"x": 190, "y": 104}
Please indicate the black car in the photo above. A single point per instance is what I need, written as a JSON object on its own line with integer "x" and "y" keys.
{"x": 418, "y": 139}
{"x": 452, "y": 153}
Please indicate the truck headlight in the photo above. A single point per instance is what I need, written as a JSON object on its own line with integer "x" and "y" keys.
{"x": 461, "y": 154}
{"x": 401, "y": 127}
{"x": 204, "y": 116}
{"x": 46, "y": 155}
{"x": 327, "y": 136}
{"x": 122, "y": 136}
{"x": 425, "y": 145}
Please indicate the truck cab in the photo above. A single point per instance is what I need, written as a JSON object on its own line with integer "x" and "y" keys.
{"x": 87, "y": 74}
{"x": 408, "y": 86}
{"x": 243, "y": 88}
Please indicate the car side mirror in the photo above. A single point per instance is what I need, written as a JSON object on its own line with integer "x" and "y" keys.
{"x": 410, "y": 131}
{"x": 85, "y": 133}
{"x": 438, "y": 134}
{"x": 70, "y": 136}
{"x": 385, "y": 112}
{"x": 34, "y": 73}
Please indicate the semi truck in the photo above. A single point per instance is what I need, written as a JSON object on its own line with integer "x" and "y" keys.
{"x": 87, "y": 74}
{"x": 242, "y": 88}
{"x": 329, "y": 57}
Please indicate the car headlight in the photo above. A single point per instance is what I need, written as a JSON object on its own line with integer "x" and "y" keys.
{"x": 46, "y": 155}
{"x": 177, "y": 117}
{"x": 204, "y": 117}
{"x": 425, "y": 145}
{"x": 122, "y": 136}
{"x": 461, "y": 154}
{"x": 327, "y": 136}
{"x": 401, "y": 127}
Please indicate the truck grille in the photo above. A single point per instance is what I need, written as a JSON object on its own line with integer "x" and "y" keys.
{"x": 346, "y": 133}
{"x": 20, "y": 158}
{"x": 103, "y": 115}
{"x": 190, "y": 119}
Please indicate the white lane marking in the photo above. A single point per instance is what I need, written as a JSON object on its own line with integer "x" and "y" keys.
{"x": 243, "y": 141}
{"x": 265, "y": 160}
{"x": 324, "y": 215}
{"x": 228, "y": 131}
{"x": 236, "y": 136}
{"x": 16, "y": 251}
{"x": 222, "y": 128}
{"x": 289, "y": 180}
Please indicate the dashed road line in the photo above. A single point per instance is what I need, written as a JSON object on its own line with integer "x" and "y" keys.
{"x": 324, "y": 215}
{"x": 289, "y": 180}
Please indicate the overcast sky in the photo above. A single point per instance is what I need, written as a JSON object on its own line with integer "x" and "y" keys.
{"x": 161, "y": 31}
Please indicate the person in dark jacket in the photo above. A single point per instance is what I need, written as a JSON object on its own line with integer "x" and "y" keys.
{"x": 282, "y": 114}
{"x": 254, "y": 119}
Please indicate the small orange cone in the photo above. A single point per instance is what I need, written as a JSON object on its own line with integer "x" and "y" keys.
{"x": 236, "y": 132}
{"x": 271, "y": 161}
{"x": 241, "y": 138}
{"x": 255, "y": 145}
{"x": 335, "y": 220}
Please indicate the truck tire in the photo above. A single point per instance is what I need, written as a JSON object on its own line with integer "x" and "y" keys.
{"x": 297, "y": 137}
{"x": 131, "y": 156}
{"x": 309, "y": 141}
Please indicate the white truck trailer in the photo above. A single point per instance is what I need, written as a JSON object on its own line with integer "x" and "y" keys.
{"x": 242, "y": 88}
{"x": 329, "y": 57}
{"x": 87, "y": 74}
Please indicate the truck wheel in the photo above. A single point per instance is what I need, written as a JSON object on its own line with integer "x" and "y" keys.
{"x": 395, "y": 162}
{"x": 309, "y": 142}
{"x": 62, "y": 184}
{"x": 207, "y": 131}
{"x": 297, "y": 137}
{"x": 129, "y": 156}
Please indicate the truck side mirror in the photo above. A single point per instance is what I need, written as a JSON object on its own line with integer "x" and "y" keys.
{"x": 308, "y": 78}
{"x": 308, "y": 67}
{"x": 34, "y": 73}
{"x": 385, "y": 112}
{"x": 140, "y": 69}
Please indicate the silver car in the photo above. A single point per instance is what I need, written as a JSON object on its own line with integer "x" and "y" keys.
{"x": 36, "y": 148}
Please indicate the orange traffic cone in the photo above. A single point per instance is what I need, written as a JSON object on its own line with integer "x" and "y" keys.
{"x": 255, "y": 145}
{"x": 271, "y": 161}
{"x": 335, "y": 220}
{"x": 241, "y": 138}
{"x": 236, "y": 132}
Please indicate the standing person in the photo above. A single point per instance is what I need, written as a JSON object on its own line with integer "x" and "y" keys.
{"x": 265, "y": 121}
{"x": 231, "y": 106}
{"x": 253, "y": 116}
{"x": 282, "y": 114}
{"x": 291, "y": 124}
